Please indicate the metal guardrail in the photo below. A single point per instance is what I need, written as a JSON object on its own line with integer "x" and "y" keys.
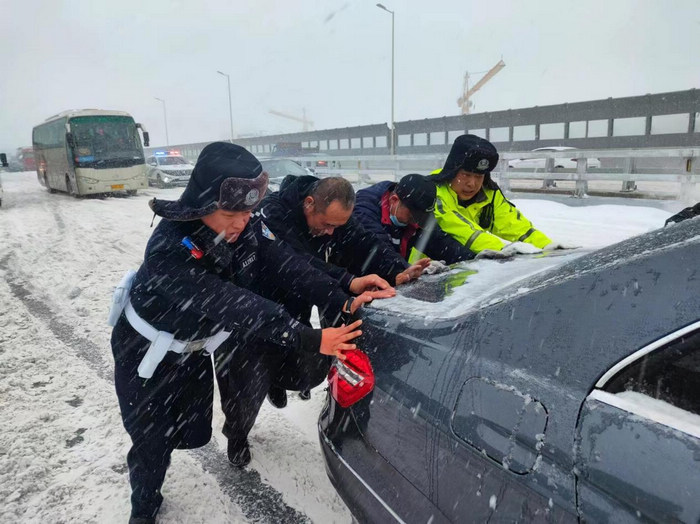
{"x": 678, "y": 165}
{"x": 654, "y": 120}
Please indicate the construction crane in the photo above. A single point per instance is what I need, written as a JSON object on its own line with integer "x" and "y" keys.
{"x": 306, "y": 123}
{"x": 464, "y": 101}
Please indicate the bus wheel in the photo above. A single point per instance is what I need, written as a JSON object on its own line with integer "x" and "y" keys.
{"x": 70, "y": 189}
{"x": 46, "y": 184}
{"x": 131, "y": 192}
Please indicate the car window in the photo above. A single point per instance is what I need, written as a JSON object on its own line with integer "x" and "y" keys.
{"x": 670, "y": 374}
{"x": 171, "y": 161}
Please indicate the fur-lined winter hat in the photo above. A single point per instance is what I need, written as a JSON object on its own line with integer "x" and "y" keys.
{"x": 471, "y": 153}
{"x": 226, "y": 176}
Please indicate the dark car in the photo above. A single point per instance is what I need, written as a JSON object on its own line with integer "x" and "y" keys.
{"x": 279, "y": 168}
{"x": 540, "y": 389}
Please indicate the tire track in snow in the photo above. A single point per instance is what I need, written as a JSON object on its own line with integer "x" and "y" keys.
{"x": 259, "y": 502}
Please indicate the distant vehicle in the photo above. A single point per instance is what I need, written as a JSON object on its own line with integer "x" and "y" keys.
{"x": 545, "y": 389}
{"x": 322, "y": 164}
{"x": 562, "y": 163}
{"x": 3, "y": 163}
{"x": 90, "y": 151}
{"x": 23, "y": 160}
{"x": 277, "y": 169}
{"x": 292, "y": 149}
{"x": 168, "y": 169}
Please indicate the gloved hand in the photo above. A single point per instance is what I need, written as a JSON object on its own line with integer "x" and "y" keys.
{"x": 520, "y": 248}
{"x": 492, "y": 254}
{"x": 552, "y": 246}
{"x": 436, "y": 266}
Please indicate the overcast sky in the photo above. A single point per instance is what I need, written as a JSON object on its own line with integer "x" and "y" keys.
{"x": 331, "y": 57}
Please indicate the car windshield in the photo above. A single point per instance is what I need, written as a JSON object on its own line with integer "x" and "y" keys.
{"x": 171, "y": 161}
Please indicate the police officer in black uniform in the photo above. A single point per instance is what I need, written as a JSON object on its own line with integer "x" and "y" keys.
{"x": 193, "y": 295}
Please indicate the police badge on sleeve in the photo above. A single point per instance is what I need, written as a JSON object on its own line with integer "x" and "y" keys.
{"x": 266, "y": 232}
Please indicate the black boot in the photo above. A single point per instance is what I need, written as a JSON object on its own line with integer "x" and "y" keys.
{"x": 142, "y": 520}
{"x": 277, "y": 396}
{"x": 238, "y": 453}
{"x": 305, "y": 394}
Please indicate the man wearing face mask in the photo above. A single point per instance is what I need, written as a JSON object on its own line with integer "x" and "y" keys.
{"x": 472, "y": 208}
{"x": 195, "y": 294}
{"x": 401, "y": 215}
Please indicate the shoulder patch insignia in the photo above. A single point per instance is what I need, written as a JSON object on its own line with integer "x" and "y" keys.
{"x": 266, "y": 232}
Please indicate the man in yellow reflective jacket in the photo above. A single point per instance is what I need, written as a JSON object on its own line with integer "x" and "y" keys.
{"x": 471, "y": 207}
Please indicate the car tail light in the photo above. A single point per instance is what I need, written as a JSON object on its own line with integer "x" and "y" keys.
{"x": 351, "y": 379}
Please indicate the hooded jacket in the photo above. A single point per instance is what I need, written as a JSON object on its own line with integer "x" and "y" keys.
{"x": 349, "y": 251}
{"x": 372, "y": 211}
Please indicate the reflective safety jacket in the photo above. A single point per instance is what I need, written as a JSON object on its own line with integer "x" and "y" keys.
{"x": 463, "y": 223}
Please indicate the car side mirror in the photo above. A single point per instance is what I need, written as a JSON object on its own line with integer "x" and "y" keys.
{"x": 3, "y": 159}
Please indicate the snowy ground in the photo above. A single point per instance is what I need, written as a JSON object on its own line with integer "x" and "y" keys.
{"x": 62, "y": 445}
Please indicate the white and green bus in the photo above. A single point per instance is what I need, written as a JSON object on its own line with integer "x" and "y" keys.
{"x": 90, "y": 151}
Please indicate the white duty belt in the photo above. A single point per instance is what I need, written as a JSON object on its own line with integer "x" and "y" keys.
{"x": 161, "y": 341}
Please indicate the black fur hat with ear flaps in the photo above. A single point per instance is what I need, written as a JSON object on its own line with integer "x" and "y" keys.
{"x": 471, "y": 153}
{"x": 226, "y": 176}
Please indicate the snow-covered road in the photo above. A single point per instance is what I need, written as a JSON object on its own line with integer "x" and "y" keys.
{"x": 62, "y": 445}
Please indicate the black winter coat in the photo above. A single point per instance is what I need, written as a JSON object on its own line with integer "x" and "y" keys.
{"x": 195, "y": 299}
{"x": 432, "y": 241}
{"x": 349, "y": 251}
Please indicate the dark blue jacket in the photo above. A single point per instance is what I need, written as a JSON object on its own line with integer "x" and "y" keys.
{"x": 349, "y": 251}
{"x": 196, "y": 298}
{"x": 432, "y": 241}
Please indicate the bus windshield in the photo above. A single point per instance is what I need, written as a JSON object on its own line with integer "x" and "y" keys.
{"x": 105, "y": 139}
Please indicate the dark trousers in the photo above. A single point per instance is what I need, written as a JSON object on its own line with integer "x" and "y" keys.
{"x": 171, "y": 410}
{"x": 246, "y": 370}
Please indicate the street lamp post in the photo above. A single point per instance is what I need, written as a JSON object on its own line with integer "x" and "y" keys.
{"x": 230, "y": 110}
{"x": 165, "y": 119}
{"x": 393, "y": 130}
